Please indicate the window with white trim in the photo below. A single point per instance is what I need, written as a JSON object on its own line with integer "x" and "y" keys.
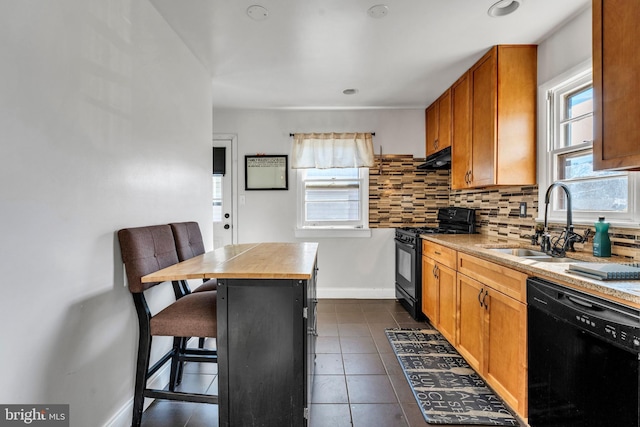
{"x": 566, "y": 155}
{"x": 333, "y": 198}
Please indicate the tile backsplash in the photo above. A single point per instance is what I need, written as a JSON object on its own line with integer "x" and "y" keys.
{"x": 401, "y": 195}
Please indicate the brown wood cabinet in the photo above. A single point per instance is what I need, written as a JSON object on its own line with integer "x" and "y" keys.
{"x": 616, "y": 83}
{"x": 439, "y": 300}
{"x": 438, "y": 124}
{"x": 492, "y": 318}
{"x": 461, "y": 133}
{"x": 497, "y": 126}
{"x": 470, "y": 321}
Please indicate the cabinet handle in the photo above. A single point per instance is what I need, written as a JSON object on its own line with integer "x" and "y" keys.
{"x": 437, "y": 252}
{"x": 486, "y": 306}
{"x": 480, "y": 295}
{"x": 434, "y": 270}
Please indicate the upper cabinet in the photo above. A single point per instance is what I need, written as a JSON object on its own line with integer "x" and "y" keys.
{"x": 494, "y": 120}
{"x": 461, "y": 133}
{"x": 616, "y": 83}
{"x": 438, "y": 124}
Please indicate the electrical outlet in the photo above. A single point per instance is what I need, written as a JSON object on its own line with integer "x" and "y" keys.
{"x": 523, "y": 209}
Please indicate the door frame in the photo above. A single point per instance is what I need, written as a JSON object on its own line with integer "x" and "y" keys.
{"x": 234, "y": 179}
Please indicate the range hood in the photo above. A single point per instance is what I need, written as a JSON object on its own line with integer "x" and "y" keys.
{"x": 439, "y": 160}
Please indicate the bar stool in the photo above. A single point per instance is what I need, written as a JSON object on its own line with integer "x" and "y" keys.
{"x": 188, "y": 245}
{"x": 144, "y": 251}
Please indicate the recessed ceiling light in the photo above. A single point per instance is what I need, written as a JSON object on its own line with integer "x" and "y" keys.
{"x": 378, "y": 11}
{"x": 503, "y": 8}
{"x": 257, "y": 13}
{"x": 350, "y": 91}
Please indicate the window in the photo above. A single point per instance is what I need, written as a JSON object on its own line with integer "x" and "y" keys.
{"x": 567, "y": 156}
{"x": 332, "y": 200}
{"x": 217, "y": 198}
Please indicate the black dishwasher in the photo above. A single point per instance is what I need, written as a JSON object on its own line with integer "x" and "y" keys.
{"x": 583, "y": 359}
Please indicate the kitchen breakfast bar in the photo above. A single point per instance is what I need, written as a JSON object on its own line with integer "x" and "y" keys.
{"x": 266, "y": 314}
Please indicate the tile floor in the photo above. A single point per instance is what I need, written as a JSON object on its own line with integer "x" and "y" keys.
{"x": 358, "y": 379}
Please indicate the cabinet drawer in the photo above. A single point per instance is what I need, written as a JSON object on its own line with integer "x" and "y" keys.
{"x": 443, "y": 255}
{"x": 510, "y": 282}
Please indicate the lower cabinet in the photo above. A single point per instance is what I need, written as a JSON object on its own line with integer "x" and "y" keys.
{"x": 492, "y": 326}
{"x": 439, "y": 288}
{"x": 470, "y": 321}
{"x": 480, "y": 307}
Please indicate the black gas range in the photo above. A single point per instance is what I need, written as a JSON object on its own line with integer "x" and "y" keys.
{"x": 409, "y": 253}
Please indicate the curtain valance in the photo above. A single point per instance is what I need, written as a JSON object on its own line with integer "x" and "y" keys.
{"x": 332, "y": 150}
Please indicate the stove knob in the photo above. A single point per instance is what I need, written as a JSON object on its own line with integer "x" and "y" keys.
{"x": 636, "y": 343}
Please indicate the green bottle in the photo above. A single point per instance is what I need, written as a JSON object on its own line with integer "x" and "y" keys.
{"x": 601, "y": 241}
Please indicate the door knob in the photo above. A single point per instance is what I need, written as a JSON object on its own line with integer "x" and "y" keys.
{"x": 226, "y": 226}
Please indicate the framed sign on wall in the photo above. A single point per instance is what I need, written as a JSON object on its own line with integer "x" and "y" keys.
{"x": 266, "y": 172}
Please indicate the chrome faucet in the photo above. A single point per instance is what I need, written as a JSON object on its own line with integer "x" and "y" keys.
{"x": 568, "y": 237}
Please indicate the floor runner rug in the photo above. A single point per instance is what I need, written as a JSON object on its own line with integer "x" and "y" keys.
{"x": 446, "y": 388}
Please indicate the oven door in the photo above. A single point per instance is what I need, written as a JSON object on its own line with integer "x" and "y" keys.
{"x": 406, "y": 268}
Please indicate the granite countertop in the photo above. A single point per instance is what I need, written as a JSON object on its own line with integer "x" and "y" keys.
{"x": 480, "y": 245}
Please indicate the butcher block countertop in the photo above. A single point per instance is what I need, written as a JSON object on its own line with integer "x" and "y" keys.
{"x": 626, "y": 292}
{"x": 245, "y": 261}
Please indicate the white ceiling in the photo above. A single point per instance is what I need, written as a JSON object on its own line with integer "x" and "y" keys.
{"x": 308, "y": 51}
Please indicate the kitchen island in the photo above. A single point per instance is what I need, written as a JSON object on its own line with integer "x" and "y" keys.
{"x": 266, "y": 329}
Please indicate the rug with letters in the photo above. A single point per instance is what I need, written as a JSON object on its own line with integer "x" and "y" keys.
{"x": 446, "y": 388}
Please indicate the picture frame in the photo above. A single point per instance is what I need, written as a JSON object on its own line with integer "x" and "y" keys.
{"x": 266, "y": 172}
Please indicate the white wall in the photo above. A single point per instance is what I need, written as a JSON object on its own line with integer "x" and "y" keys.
{"x": 349, "y": 267}
{"x": 105, "y": 123}
{"x": 569, "y": 46}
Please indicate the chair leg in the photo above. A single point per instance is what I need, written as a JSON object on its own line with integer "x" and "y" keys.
{"x": 176, "y": 364}
{"x": 142, "y": 367}
{"x": 181, "y": 365}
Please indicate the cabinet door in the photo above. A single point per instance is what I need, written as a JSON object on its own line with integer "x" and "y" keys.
{"x": 461, "y": 133}
{"x": 431, "y": 130}
{"x": 447, "y": 302}
{"x": 506, "y": 346}
{"x": 429, "y": 290}
{"x": 470, "y": 320}
{"x": 515, "y": 138}
{"x": 483, "y": 119}
{"x": 616, "y": 83}
{"x": 444, "y": 121}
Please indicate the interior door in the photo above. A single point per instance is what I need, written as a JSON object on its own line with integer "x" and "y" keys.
{"x": 222, "y": 198}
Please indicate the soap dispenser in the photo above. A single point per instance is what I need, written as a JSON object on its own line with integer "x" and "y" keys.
{"x": 601, "y": 241}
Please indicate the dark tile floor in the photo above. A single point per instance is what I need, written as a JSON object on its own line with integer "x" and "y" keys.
{"x": 358, "y": 379}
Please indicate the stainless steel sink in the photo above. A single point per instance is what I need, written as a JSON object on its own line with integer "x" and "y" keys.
{"x": 549, "y": 259}
{"x": 520, "y": 252}
{"x": 538, "y": 256}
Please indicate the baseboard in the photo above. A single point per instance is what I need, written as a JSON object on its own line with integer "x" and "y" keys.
{"x": 356, "y": 293}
